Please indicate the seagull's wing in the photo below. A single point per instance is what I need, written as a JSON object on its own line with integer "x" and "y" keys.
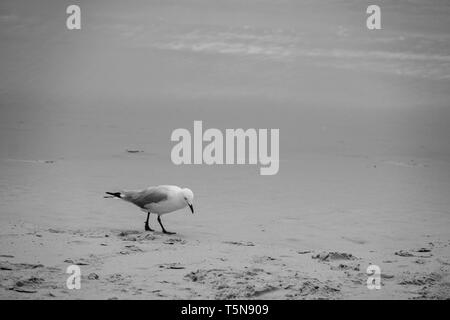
{"x": 147, "y": 196}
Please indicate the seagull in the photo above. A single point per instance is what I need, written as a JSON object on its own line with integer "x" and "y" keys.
{"x": 159, "y": 200}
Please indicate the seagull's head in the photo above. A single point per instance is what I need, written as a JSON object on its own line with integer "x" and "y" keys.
{"x": 188, "y": 196}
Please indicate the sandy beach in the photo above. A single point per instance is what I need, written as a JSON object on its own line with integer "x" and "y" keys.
{"x": 364, "y": 172}
{"x": 308, "y": 233}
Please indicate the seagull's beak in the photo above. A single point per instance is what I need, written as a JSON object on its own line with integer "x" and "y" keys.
{"x": 191, "y": 207}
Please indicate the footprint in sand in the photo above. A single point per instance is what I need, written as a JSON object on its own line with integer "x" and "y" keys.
{"x": 174, "y": 241}
{"x": 304, "y": 251}
{"x": 262, "y": 259}
{"x": 347, "y": 267}
{"x": 30, "y": 285}
{"x": 79, "y": 262}
{"x": 119, "y": 279}
{"x": 93, "y": 276}
{"x": 134, "y": 235}
{"x": 129, "y": 249}
{"x": 333, "y": 259}
{"x": 405, "y": 253}
{"x": 5, "y": 265}
{"x": 240, "y": 243}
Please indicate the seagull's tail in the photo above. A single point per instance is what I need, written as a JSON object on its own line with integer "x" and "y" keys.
{"x": 114, "y": 195}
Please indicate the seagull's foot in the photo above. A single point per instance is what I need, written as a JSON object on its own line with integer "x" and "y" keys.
{"x": 168, "y": 232}
{"x": 147, "y": 228}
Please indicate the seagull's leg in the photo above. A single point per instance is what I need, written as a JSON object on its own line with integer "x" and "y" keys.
{"x": 147, "y": 227}
{"x": 162, "y": 227}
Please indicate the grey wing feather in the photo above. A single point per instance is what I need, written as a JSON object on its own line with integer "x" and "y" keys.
{"x": 145, "y": 197}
